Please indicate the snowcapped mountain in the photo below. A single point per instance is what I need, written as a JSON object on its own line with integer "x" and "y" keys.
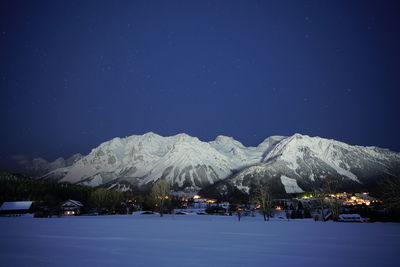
{"x": 185, "y": 161}
{"x": 292, "y": 164}
{"x": 300, "y": 163}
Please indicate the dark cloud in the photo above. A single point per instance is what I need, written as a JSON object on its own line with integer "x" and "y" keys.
{"x": 22, "y": 160}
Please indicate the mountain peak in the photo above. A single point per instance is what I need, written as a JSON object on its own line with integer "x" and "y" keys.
{"x": 151, "y": 135}
{"x": 223, "y": 137}
{"x": 183, "y": 137}
{"x": 271, "y": 140}
{"x": 225, "y": 140}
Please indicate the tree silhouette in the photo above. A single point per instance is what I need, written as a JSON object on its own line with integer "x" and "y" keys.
{"x": 161, "y": 192}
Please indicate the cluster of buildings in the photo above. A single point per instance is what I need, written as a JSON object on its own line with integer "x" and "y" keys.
{"x": 359, "y": 199}
{"x": 345, "y": 199}
{"x": 203, "y": 203}
{"x": 18, "y": 208}
{"x": 198, "y": 202}
{"x": 307, "y": 204}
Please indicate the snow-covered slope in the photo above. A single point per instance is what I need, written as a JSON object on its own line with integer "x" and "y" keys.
{"x": 300, "y": 163}
{"x": 291, "y": 164}
{"x": 185, "y": 161}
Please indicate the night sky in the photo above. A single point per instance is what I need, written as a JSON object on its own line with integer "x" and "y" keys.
{"x": 74, "y": 74}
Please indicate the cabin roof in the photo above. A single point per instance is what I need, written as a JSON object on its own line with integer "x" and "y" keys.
{"x": 75, "y": 202}
{"x": 16, "y": 205}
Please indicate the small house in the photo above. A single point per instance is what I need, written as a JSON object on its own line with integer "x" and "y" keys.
{"x": 71, "y": 207}
{"x": 16, "y": 208}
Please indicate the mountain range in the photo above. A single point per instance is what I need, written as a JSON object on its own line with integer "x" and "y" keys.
{"x": 292, "y": 164}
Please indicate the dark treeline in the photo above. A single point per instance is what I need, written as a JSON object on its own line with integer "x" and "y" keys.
{"x": 50, "y": 194}
{"x": 17, "y": 188}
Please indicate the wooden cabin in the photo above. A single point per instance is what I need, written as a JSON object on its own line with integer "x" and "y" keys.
{"x": 71, "y": 207}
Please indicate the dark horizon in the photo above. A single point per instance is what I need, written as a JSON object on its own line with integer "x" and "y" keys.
{"x": 75, "y": 74}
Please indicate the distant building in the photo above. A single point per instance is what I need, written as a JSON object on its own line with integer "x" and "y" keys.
{"x": 360, "y": 199}
{"x": 203, "y": 203}
{"x": 71, "y": 207}
{"x": 16, "y": 208}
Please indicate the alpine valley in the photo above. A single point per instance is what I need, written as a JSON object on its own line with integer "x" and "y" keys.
{"x": 289, "y": 164}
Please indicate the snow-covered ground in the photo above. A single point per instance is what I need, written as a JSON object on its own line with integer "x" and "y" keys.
{"x": 194, "y": 240}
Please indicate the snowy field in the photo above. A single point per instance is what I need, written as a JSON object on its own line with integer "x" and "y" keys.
{"x": 179, "y": 240}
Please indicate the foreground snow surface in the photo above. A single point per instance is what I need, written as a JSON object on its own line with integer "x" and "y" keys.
{"x": 179, "y": 240}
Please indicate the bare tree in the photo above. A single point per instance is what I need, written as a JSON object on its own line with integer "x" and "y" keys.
{"x": 239, "y": 211}
{"x": 161, "y": 192}
{"x": 262, "y": 196}
{"x": 319, "y": 198}
{"x": 330, "y": 186}
{"x": 287, "y": 211}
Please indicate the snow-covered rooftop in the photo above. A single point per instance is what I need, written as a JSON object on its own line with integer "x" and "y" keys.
{"x": 75, "y": 202}
{"x": 16, "y": 205}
